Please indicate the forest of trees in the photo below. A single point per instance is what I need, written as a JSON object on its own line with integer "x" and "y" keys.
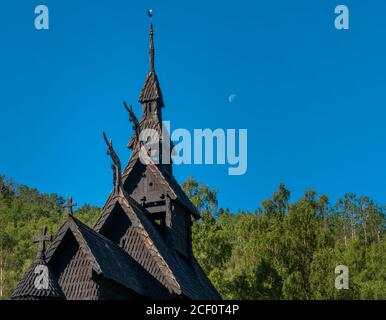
{"x": 282, "y": 250}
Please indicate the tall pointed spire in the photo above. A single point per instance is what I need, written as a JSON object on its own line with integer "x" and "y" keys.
{"x": 151, "y": 53}
{"x": 151, "y": 91}
{"x": 151, "y": 46}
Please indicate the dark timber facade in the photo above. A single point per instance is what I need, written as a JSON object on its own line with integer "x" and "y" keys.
{"x": 140, "y": 247}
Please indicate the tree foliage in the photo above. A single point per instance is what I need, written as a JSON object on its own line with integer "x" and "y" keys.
{"x": 23, "y": 211}
{"x": 289, "y": 250}
{"x": 282, "y": 250}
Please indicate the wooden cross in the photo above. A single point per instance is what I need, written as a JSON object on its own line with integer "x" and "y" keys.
{"x": 69, "y": 206}
{"x": 42, "y": 239}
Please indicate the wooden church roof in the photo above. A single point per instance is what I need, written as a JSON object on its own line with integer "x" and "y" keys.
{"x": 181, "y": 276}
{"x": 27, "y": 288}
{"x": 151, "y": 89}
{"x": 107, "y": 259}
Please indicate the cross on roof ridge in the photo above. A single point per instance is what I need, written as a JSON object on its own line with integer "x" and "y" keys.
{"x": 69, "y": 206}
{"x": 42, "y": 238}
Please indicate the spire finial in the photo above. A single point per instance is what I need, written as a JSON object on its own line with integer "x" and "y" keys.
{"x": 150, "y": 14}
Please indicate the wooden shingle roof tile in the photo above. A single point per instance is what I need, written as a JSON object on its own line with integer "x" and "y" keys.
{"x": 183, "y": 270}
{"x": 151, "y": 89}
{"x": 181, "y": 276}
{"x": 109, "y": 260}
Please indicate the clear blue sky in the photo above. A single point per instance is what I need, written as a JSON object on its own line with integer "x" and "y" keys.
{"x": 312, "y": 98}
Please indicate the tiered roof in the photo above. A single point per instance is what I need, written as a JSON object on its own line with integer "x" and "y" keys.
{"x": 147, "y": 264}
{"x": 107, "y": 259}
{"x": 181, "y": 276}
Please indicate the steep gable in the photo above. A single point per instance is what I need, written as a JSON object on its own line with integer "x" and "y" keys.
{"x": 135, "y": 169}
{"x": 88, "y": 263}
{"x": 147, "y": 244}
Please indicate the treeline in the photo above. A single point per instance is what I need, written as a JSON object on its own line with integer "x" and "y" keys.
{"x": 289, "y": 250}
{"x": 23, "y": 212}
{"x": 282, "y": 250}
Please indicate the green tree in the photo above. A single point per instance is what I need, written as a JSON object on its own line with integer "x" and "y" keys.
{"x": 281, "y": 250}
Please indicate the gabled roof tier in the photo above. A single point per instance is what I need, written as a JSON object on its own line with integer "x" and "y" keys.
{"x": 175, "y": 190}
{"x": 109, "y": 260}
{"x": 151, "y": 90}
{"x": 180, "y": 275}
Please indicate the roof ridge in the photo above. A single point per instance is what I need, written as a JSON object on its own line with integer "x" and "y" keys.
{"x": 86, "y": 248}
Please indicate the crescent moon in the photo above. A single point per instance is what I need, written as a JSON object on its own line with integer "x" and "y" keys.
{"x": 232, "y": 98}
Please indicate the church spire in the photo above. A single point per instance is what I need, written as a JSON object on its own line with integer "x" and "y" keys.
{"x": 151, "y": 46}
{"x": 151, "y": 91}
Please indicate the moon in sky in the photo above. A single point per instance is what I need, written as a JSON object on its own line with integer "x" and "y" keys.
{"x": 232, "y": 98}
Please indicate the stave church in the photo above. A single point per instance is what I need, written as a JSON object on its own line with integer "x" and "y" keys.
{"x": 141, "y": 245}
